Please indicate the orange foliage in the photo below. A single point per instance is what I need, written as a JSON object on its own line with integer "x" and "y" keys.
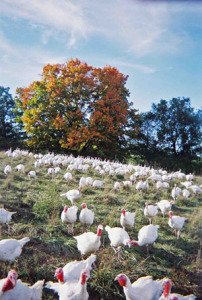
{"x": 74, "y": 105}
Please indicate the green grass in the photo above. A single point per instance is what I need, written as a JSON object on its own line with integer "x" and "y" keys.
{"x": 38, "y": 205}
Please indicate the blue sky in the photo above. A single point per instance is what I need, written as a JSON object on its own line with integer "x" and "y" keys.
{"x": 157, "y": 43}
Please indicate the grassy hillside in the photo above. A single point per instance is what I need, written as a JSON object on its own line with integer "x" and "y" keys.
{"x": 38, "y": 205}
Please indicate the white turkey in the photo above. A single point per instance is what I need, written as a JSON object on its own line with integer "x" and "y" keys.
{"x": 127, "y": 183}
{"x": 145, "y": 185}
{"x": 150, "y": 211}
{"x": 140, "y": 185}
{"x": 8, "y": 283}
{"x": 159, "y": 185}
{"x": 155, "y": 177}
{"x": 189, "y": 177}
{"x": 98, "y": 183}
{"x": 72, "y": 270}
{"x": 32, "y": 174}
{"x": 57, "y": 170}
{"x": 37, "y": 164}
{"x": 89, "y": 242}
{"x": 7, "y": 170}
{"x": 162, "y": 185}
{"x": 51, "y": 171}
{"x": 176, "y": 191}
{"x": 117, "y": 186}
{"x": 69, "y": 216}
{"x": 165, "y": 206}
{"x": 127, "y": 218}
{"x": 82, "y": 182}
{"x": 196, "y": 189}
{"x": 20, "y": 168}
{"x": 180, "y": 175}
{"x": 145, "y": 288}
{"x": 102, "y": 172}
{"x": 5, "y": 217}
{"x": 133, "y": 178}
{"x": 176, "y": 222}
{"x": 10, "y": 249}
{"x": 166, "y": 185}
{"x": 89, "y": 181}
{"x": 147, "y": 235}
{"x": 187, "y": 184}
{"x": 111, "y": 172}
{"x": 68, "y": 176}
{"x": 9, "y": 152}
{"x": 185, "y": 193}
{"x": 86, "y": 216}
{"x": 13, "y": 289}
{"x": 72, "y": 290}
{"x": 72, "y": 195}
{"x": 118, "y": 238}
{"x": 168, "y": 296}
{"x": 165, "y": 177}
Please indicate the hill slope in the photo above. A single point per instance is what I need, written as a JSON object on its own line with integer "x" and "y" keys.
{"x": 38, "y": 205}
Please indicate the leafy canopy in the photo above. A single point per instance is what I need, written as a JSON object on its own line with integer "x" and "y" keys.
{"x": 77, "y": 107}
{"x": 173, "y": 127}
{"x": 8, "y": 135}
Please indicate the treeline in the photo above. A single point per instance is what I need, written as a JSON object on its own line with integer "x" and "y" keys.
{"x": 76, "y": 108}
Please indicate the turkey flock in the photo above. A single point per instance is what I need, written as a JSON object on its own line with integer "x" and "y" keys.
{"x": 70, "y": 281}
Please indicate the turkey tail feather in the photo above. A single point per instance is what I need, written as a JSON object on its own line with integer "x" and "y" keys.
{"x": 37, "y": 290}
{"x": 24, "y": 241}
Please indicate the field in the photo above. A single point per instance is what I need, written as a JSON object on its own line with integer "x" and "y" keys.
{"x": 38, "y": 205}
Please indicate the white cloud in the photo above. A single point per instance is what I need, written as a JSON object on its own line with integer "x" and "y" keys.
{"x": 138, "y": 27}
{"x": 54, "y": 15}
{"x": 142, "y": 68}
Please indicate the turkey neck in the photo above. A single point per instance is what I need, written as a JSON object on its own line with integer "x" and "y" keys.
{"x": 171, "y": 220}
{"x": 8, "y": 285}
{"x": 60, "y": 277}
{"x": 99, "y": 232}
{"x": 128, "y": 285}
{"x": 81, "y": 287}
{"x": 146, "y": 208}
{"x": 128, "y": 290}
{"x": 97, "y": 238}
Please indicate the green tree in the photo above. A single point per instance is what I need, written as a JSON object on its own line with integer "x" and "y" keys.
{"x": 8, "y": 130}
{"x": 170, "y": 135}
{"x": 177, "y": 126}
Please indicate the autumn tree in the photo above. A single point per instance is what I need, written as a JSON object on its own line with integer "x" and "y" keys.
{"x": 76, "y": 107}
{"x": 54, "y": 106}
{"x": 110, "y": 111}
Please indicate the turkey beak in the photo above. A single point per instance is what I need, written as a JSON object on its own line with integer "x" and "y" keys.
{"x": 116, "y": 278}
{"x": 55, "y": 275}
{"x": 13, "y": 280}
{"x": 128, "y": 244}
